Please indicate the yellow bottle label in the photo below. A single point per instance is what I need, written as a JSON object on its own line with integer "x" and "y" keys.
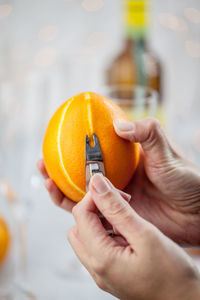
{"x": 136, "y": 17}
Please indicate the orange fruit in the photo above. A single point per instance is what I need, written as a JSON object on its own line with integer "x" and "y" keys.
{"x": 4, "y": 240}
{"x": 64, "y": 144}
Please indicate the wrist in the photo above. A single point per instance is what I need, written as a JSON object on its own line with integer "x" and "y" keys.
{"x": 186, "y": 289}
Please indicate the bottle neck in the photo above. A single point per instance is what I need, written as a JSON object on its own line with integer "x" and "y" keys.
{"x": 135, "y": 19}
{"x": 131, "y": 43}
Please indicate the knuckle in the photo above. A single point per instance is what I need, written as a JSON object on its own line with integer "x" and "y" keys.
{"x": 111, "y": 200}
{"x": 119, "y": 208}
{"x": 132, "y": 137}
{"x": 100, "y": 283}
{"x": 153, "y": 131}
{"x": 109, "y": 194}
{"x": 116, "y": 208}
{"x": 99, "y": 266}
{"x": 75, "y": 211}
{"x": 153, "y": 124}
{"x": 70, "y": 233}
{"x": 128, "y": 218}
{"x": 55, "y": 201}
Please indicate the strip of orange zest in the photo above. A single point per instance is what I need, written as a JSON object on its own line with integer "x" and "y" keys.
{"x": 89, "y": 114}
{"x": 60, "y": 151}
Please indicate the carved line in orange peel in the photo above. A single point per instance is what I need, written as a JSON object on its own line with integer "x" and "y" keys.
{"x": 60, "y": 152}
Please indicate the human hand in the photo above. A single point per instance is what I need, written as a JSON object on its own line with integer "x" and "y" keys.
{"x": 140, "y": 262}
{"x": 165, "y": 188}
{"x": 57, "y": 196}
{"x": 55, "y": 193}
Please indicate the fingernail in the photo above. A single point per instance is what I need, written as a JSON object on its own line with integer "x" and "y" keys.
{"x": 125, "y": 126}
{"x": 100, "y": 184}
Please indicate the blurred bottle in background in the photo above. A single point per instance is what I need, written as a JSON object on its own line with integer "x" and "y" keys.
{"x": 136, "y": 64}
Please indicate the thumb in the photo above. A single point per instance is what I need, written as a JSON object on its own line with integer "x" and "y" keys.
{"x": 149, "y": 134}
{"x": 116, "y": 210}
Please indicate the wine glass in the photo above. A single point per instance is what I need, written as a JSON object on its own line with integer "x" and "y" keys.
{"x": 24, "y": 114}
{"x": 137, "y": 102}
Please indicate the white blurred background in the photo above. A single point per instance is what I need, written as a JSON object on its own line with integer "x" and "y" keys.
{"x": 49, "y": 51}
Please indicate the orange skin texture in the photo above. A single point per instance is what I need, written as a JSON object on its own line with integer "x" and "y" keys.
{"x": 4, "y": 240}
{"x": 82, "y": 115}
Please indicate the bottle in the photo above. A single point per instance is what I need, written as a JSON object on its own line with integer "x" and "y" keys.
{"x": 136, "y": 64}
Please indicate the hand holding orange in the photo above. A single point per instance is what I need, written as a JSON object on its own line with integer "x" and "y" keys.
{"x": 64, "y": 144}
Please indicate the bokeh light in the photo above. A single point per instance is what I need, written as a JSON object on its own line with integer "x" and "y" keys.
{"x": 172, "y": 22}
{"x": 92, "y": 5}
{"x": 193, "y": 48}
{"x": 192, "y": 14}
{"x": 48, "y": 33}
{"x": 98, "y": 39}
{"x": 45, "y": 57}
{"x": 5, "y": 10}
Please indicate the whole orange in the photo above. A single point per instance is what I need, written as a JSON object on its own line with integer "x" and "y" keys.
{"x": 4, "y": 240}
{"x": 64, "y": 144}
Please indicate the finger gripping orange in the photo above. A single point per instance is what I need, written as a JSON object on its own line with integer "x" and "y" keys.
{"x": 64, "y": 143}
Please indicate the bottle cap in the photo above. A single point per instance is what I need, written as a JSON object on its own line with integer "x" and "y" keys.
{"x": 136, "y": 15}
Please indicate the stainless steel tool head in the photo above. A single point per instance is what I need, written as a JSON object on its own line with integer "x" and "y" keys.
{"x": 93, "y": 160}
